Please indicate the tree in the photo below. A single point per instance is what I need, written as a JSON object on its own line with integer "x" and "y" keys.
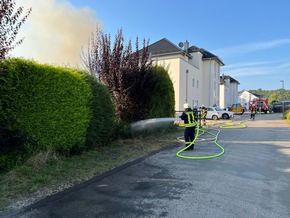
{"x": 162, "y": 99}
{"x": 10, "y": 25}
{"x": 273, "y": 95}
{"x": 124, "y": 72}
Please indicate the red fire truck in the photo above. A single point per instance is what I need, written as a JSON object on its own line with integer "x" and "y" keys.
{"x": 261, "y": 104}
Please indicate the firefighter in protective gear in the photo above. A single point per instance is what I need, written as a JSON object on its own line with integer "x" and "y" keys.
{"x": 189, "y": 122}
{"x": 253, "y": 112}
{"x": 195, "y": 113}
{"x": 270, "y": 108}
{"x": 203, "y": 114}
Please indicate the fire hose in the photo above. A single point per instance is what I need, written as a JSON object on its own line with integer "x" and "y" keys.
{"x": 199, "y": 132}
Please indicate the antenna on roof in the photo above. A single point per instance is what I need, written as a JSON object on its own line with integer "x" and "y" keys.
{"x": 180, "y": 44}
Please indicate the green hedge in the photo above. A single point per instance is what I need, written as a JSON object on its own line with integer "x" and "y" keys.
{"x": 162, "y": 98}
{"x": 65, "y": 110}
{"x": 50, "y": 104}
{"x": 286, "y": 115}
{"x": 102, "y": 123}
{"x": 14, "y": 149}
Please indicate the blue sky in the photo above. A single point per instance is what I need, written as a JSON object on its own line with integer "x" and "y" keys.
{"x": 252, "y": 37}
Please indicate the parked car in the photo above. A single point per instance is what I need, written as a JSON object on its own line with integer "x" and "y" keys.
{"x": 237, "y": 108}
{"x": 226, "y": 114}
{"x": 216, "y": 113}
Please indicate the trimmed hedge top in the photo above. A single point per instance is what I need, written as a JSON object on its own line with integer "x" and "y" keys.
{"x": 50, "y": 104}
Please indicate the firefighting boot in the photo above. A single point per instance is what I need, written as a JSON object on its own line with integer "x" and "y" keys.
{"x": 186, "y": 144}
{"x": 192, "y": 147}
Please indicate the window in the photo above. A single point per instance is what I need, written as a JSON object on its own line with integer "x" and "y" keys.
{"x": 192, "y": 83}
{"x": 197, "y": 84}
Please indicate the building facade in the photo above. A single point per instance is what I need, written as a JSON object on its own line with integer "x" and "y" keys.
{"x": 228, "y": 91}
{"x": 245, "y": 96}
{"x": 194, "y": 71}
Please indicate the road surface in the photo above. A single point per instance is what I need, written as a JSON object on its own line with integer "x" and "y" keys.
{"x": 251, "y": 179}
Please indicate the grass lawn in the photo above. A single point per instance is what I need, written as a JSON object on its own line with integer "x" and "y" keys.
{"x": 47, "y": 173}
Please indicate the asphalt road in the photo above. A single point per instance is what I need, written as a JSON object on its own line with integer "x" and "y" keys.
{"x": 251, "y": 179}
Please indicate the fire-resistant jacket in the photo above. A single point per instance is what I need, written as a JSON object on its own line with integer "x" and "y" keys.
{"x": 188, "y": 118}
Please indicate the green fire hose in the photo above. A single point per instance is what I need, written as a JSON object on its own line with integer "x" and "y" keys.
{"x": 200, "y": 132}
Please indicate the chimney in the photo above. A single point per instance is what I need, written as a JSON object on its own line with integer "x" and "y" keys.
{"x": 186, "y": 45}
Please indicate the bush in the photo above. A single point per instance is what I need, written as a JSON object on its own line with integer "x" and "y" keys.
{"x": 123, "y": 131}
{"x": 13, "y": 149}
{"x": 162, "y": 98}
{"x": 51, "y": 104}
{"x": 102, "y": 123}
{"x": 286, "y": 115}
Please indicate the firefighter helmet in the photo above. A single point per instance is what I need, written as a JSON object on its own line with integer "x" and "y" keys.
{"x": 185, "y": 106}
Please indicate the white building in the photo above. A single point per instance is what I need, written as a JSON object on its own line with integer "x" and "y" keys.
{"x": 245, "y": 96}
{"x": 228, "y": 91}
{"x": 194, "y": 71}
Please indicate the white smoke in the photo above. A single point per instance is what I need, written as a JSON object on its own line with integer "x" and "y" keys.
{"x": 55, "y": 32}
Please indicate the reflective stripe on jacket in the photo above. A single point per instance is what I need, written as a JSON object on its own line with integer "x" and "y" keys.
{"x": 189, "y": 122}
{"x": 203, "y": 113}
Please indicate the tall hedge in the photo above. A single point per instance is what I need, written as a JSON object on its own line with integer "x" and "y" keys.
{"x": 102, "y": 123}
{"x": 50, "y": 104}
{"x": 162, "y": 98}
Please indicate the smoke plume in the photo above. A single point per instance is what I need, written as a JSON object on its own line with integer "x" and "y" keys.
{"x": 55, "y": 32}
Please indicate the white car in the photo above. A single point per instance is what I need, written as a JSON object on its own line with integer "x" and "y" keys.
{"x": 216, "y": 113}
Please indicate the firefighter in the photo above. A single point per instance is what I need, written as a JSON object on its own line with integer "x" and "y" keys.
{"x": 253, "y": 112}
{"x": 260, "y": 109}
{"x": 189, "y": 122}
{"x": 203, "y": 114}
{"x": 270, "y": 108}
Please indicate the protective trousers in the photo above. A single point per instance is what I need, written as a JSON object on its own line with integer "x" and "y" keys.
{"x": 189, "y": 134}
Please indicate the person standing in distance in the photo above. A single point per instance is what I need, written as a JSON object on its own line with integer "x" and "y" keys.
{"x": 253, "y": 112}
{"x": 195, "y": 113}
{"x": 203, "y": 114}
{"x": 189, "y": 122}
